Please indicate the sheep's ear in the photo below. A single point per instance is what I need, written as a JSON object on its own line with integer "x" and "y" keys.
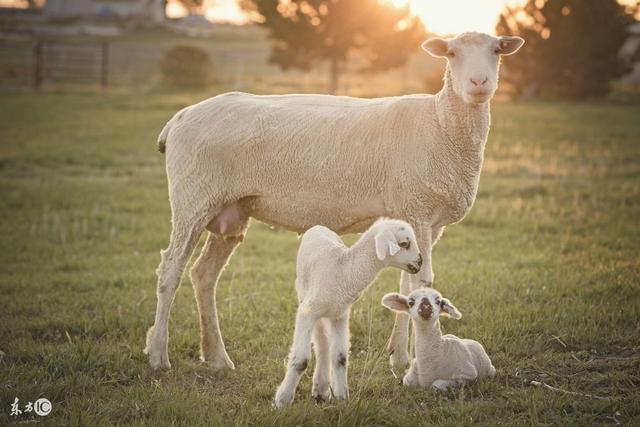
{"x": 436, "y": 47}
{"x": 395, "y": 302}
{"x": 449, "y": 310}
{"x": 386, "y": 244}
{"x": 510, "y": 45}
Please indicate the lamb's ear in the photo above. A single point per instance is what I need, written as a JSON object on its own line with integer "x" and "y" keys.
{"x": 436, "y": 47}
{"x": 395, "y": 302}
{"x": 510, "y": 45}
{"x": 448, "y": 309}
{"x": 386, "y": 244}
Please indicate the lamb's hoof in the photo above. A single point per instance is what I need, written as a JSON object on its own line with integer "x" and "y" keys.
{"x": 282, "y": 400}
{"x": 158, "y": 355}
{"x": 321, "y": 393}
{"x": 158, "y": 359}
{"x": 399, "y": 360}
{"x": 219, "y": 362}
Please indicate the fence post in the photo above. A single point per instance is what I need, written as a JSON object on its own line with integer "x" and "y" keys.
{"x": 37, "y": 64}
{"x": 105, "y": 65}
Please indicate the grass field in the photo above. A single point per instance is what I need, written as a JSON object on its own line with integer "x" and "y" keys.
{"x": 545, "y": 270}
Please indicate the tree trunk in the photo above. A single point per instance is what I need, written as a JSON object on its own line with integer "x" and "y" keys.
{"x": 335, "y": 76}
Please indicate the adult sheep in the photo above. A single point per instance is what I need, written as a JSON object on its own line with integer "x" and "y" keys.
{"x": 296, "y": 161}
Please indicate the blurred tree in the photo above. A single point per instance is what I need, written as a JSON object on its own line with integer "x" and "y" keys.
{"x": 192, "y": 6}
{"x": 571, "y": 47}
{"x": 306, "y": 31}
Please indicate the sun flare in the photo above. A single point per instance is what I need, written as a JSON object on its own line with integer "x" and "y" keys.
{"x": 457, "y": 16}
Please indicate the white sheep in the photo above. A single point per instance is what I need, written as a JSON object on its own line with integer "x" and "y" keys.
{"x": 330, "y": 278}
{"x": 441, "y": 361}
{"x": 296, "y": 161}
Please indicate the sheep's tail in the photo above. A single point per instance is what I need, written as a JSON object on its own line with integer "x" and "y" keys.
{"x": 164, "y": 134}
{"x": 162, "y": 138}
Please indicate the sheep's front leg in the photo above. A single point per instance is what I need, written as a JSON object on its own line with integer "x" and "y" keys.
{"x": 298, "y": 358}
{"x": 340, "y": 356}
{"x": 398, "y": 343}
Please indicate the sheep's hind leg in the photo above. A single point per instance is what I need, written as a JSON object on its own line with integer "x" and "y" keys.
{"x": 340, "y": 356}
{"x": 184, "y": 237}
{"x": 204, "y": 275}
{"x": 298, "y": 358}
{"x": 321, "y": 376}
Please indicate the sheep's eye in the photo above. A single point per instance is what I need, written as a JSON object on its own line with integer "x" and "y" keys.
{"x": 405, "y": 245}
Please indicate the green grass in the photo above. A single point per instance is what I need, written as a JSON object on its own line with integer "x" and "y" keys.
{"x": 545, "y": 270}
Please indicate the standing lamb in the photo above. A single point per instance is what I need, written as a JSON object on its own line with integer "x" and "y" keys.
{"x": 330, "y": 278}
{"x": 296, "y": 161}
{"x": 441, "y": 361}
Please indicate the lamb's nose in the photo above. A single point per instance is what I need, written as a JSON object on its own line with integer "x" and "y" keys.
{"x": 479, "y": 81}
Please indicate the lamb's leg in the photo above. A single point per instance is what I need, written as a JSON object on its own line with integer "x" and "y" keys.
{"x": 204, "y": 275}
{"x": 340, "y": 356}
{"x": 298, "y": 358}
{"x": 184, "y": 237}
{"x": 398, "y": 343}
{"x": 321, "y": 347}
{"x": 411, "y": 378}
{"x": 444, "y": 384}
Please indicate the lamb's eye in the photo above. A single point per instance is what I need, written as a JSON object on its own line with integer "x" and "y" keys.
{"x": 438, "y": 302}
{"x": 404, "y": 245}
{"x": 497, "y": 51}
{"x": 451, "y": 54}
{"x": 411, "y": 302}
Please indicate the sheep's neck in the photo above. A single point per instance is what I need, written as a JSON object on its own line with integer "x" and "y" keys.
{"x": 429, "y": 345}
{"x": 362, "y": 264}
{"x": 465, "y": 125}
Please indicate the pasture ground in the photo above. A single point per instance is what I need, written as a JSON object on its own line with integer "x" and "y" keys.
{"x": 545, "y": 270}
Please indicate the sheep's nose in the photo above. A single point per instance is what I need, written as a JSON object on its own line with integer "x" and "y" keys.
{"x": 419, "y": 260}
{"x": 479, "y": 81}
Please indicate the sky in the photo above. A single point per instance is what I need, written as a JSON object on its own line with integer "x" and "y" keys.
{"x": 439, "y": 16}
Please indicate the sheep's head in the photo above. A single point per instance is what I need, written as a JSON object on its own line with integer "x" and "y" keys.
{"x": 424, "y": 304}
{"x": 473, "y": 62}
{"x": 396, "y": 245}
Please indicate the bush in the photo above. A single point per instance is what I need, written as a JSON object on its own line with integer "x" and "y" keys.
{"x": 187, "y": 67}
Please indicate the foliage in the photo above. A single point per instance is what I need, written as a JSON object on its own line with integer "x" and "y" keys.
{"x": 306, "y": 31}
{"x": 544, "y": 269}
{"x": 186, "y": 66}
{"x": 571, "y": 46}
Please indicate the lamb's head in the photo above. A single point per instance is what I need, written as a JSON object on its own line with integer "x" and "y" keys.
{"x": 425, "y": 304}
{"x": 396, "y": 245}
{"x": 473, "y": 62}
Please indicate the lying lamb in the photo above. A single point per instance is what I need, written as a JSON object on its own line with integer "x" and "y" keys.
{"x": 441, "y": 361}
{"x": 330, "y": 278}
